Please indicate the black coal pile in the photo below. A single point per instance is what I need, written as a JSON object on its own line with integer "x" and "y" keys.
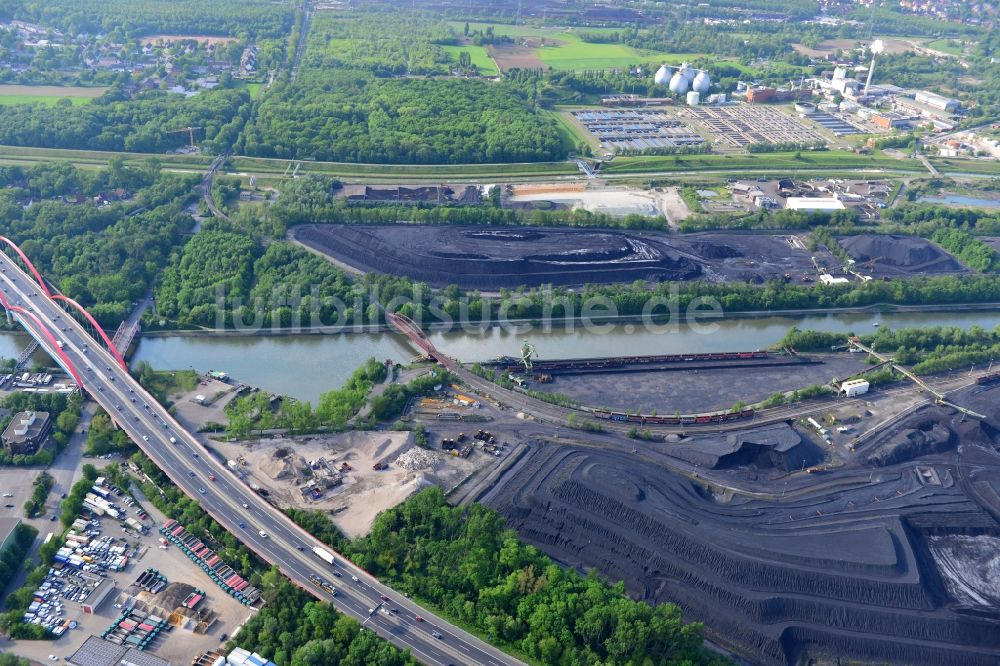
{"x": 903, "y": 252}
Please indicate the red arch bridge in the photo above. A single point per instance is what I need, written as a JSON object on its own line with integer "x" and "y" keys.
{"x": 42, "y": 331}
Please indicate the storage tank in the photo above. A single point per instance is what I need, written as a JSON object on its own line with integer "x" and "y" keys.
{"x": 693, "y": 98}
{"x": 702, "y": 82}
{"x": 662, "y": 75}
{"x": 678, "y": 84}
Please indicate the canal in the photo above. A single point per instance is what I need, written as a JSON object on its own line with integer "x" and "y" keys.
{"x": 304, "y": 366}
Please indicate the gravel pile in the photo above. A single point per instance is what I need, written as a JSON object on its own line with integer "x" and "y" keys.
{"x": 416, "y": 458}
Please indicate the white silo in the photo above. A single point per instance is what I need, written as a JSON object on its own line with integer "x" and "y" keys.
{"x": 679, "y": 83}
{"x": 688, "y": 72}
{"x": 702, "y": 82}
{"x": 662, "y": 75}
{"x": 693, "y": 98}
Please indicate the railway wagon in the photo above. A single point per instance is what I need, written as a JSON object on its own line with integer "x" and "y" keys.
{"x": 988, "y": 380}
{"x": 620, "y": 361}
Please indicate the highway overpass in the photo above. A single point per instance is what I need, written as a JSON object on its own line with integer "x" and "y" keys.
{"x": 257, "y": 524}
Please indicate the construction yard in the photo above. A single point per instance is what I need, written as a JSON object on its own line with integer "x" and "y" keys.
{"x": 337, "y": 474}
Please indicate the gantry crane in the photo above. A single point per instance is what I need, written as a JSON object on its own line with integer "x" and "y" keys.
{"x": 527, "y": 351}
{"x": 189, "y": 130}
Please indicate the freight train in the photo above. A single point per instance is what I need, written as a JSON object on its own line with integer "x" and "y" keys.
{"x": 644, "y": 419}
{"x": 619, "y": 361}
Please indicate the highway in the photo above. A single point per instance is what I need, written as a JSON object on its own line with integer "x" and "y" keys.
{"x": 258, "y": 525}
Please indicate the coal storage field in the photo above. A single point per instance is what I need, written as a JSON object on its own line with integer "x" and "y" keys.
{"x": 497, "y": 257}
{"x": 888, "y": 564}
{"x": 698, "y": 390}
{"x": 899, "y": 256}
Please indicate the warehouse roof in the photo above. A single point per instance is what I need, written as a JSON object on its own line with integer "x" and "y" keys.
{"x": 814, "y": 203}
{"x": 99, "y": 652}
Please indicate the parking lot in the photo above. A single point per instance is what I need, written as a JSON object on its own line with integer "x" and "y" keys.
{"x": 68, "y": 589}
{"x": 637, "y": 129}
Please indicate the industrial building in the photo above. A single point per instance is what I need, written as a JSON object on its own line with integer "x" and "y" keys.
{"x": 99, "y": 652}
{"x": 100, "y": 594}
{"x": 854, "y": 387}
{"x": 935, "y": 101}
{"x": 814, "y": 203}
{"x": 634, "y": 100}
{"x": 773, "y": 95}
{"x": 7, "y": 528}
{"x": 26, "y": 432}
{"x": 241, "y": 657}
{"x": 891, "y": 120}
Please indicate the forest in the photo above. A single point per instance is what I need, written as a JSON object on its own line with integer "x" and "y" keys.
{"x": 351, "y": 116}
{"x": 222, "y": 278}
{"x": 294, "y": 629}
{"x": 104, "y": 256}
{"x": 116, "y": 123}
{"x": 385, "y": 44}
{"x": 147, "y": 17}
{"x": 465, "y": 562}
{"x": 927, "y": 350}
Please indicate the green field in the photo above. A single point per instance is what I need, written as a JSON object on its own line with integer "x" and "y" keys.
{"x": 18, "y": 94}
{"x": 943, "y": 46}
{"x": 254, "y": 89}
{"x": 568, "y": 134}
{"x": 7, "y": 100}
{"x": 958, "y": 166}
{"x": 568, "y": 51}
{"x": 776, "y": 162}
{"x": 480, "y": 58}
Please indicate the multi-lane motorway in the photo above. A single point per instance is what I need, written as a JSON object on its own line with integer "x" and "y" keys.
{"x": 257, "y": 524}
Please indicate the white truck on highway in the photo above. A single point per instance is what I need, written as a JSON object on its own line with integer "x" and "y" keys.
{"x": 324, "y": 554}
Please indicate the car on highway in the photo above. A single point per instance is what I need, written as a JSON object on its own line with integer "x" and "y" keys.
{"x": 9, "y": 506}
{"x": 242, "y": 525}
{"x": 355, "y": 579}
{"x": 418, "y": 618}
{"x": 245, "y": 505}
{"x": 8, "y": 494}
{"x": 263, "y": 534}
{"x": 145, "y": 438}
{"x": 191, "y": 472}
{"x": 437, "y": 634}
{"x": 383, "y": 597}
{"x": 211, "y": 477}
{"x": 201, "y": 490}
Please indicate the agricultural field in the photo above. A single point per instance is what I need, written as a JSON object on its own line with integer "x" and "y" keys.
{"x": 11, "y": 94}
